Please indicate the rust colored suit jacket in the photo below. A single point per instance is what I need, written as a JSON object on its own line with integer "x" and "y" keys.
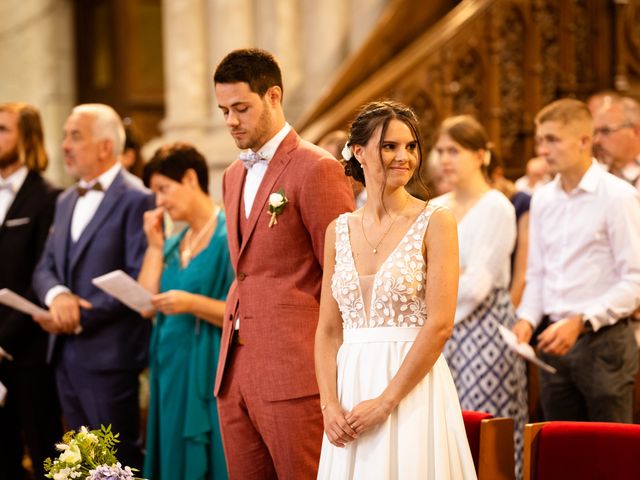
{"x": 278, "y": 270}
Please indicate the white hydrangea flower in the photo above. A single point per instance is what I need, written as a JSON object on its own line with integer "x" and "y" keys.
{"x": 71, "y": 454}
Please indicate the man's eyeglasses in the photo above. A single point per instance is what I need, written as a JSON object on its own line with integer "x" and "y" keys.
{"x": 606, "y": 131}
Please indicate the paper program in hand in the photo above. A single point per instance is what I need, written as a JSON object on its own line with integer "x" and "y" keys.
{"x": 124, "y": 288}
{"x": 17, "y": 302}
{"x": 523, "y": 349}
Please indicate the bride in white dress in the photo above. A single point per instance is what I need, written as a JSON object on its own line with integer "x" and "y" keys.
{"x": 389, "y": 290}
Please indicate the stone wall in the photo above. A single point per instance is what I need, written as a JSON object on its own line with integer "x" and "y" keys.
{"x": 37, "y": 62}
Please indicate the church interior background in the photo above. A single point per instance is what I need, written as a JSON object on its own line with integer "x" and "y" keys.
{"x": 153, "y": 61}
{"x": 500, "y": 60}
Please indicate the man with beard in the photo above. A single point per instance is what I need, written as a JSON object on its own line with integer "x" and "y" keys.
{"x": 27, "y": 203}
{"x": 280, "y": 195}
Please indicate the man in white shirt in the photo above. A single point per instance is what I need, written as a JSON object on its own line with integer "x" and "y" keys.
{"x": 616, "y": 137}
{"x": 99, "y": 346}
{"x": 583, "y": 274}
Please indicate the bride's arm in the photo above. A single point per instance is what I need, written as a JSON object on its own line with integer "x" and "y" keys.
{"x": 327, "y": 342}
{"x": 441, "y": 246}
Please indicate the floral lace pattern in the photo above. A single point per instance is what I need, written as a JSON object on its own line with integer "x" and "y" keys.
{"x": 398, "y": 295}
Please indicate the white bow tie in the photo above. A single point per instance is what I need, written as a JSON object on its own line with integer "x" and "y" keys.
{"x": 250, "y": 158}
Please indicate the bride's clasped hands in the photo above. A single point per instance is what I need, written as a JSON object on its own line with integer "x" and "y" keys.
{"x": 343, "y": 427}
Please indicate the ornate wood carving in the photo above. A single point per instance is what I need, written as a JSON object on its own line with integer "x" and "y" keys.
{"x": 425, "y": 109}
{"x": 512, "y": 92}
{"x": 468, "y": 74}
{"x": 548, "y": 17}
{"x": 582, "y": 42}
{"x": 500, "y": 60}
{"x": 633, "y": 35}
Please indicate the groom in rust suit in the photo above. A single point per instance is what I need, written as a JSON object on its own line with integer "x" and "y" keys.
{"x": 267, "y": 393}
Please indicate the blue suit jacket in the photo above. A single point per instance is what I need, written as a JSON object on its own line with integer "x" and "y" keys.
{"x": 113, "y": 336}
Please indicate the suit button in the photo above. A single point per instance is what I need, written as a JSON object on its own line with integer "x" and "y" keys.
{"x": 242, "y": 276}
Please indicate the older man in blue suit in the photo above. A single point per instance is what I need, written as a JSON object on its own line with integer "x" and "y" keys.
{"x": 99, "y": 346}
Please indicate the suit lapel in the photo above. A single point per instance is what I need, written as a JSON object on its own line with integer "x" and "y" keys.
{"x": 23, "y": 195}
{"x": 235, "y": 181}
{"x": 63, "y": 227}
{"x": 109, "y": 201}
{"x": 277, "y": 166}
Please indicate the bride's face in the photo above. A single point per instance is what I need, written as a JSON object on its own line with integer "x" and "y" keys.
{"x": 392, "y": 161}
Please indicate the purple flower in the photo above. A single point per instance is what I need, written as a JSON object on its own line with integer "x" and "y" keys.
{"x": 113, "y": 472}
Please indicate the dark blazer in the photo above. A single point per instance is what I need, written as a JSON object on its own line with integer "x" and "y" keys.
{"x": 113, "y": 336}
{"x": 22, "y": 238}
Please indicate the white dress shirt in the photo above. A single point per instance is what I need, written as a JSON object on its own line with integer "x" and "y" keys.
{"x": 584, "y": 251}
{"x": 255, "y": 174}
{"x": 631, "y": 172}
{"x": 487, "y": 236}
{"x": 7, "y": 195}
{"x": 83, "y": 211}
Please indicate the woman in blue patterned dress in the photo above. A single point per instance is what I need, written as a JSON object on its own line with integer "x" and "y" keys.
{"x": 192, "y": 273}
{"x": 489, "y": 377}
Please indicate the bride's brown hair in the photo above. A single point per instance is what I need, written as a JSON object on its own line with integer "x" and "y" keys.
{"x": 371, "y": 116}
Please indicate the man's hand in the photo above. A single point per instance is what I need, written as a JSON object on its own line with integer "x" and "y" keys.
{"x": 65, "y": 312}
{"x": 559, "y": 337}
{"x": 46, "y": 323}
{"x": 172, "y": 302}
{"x": 523, "y": 331}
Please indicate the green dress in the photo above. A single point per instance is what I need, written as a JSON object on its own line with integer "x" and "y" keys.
{"x": 183, "y": 432}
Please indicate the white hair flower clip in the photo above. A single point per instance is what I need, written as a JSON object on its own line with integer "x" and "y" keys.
{"x": 487, "y": 158}
{"x": 347, "y": 152}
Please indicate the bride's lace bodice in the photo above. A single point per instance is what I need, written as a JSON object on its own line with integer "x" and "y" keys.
{"x": 398, "y": 291}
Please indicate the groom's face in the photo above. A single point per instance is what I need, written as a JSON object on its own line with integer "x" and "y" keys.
{"x": 250, "y": 117}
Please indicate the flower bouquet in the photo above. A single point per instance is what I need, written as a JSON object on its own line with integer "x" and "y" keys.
{"x": 88, "y": 455}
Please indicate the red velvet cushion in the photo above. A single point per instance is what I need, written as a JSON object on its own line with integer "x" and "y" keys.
{"x": 472, "y": 426}
{"x": 588, "y": 450}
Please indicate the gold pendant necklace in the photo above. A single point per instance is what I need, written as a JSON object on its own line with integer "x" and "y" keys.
{"x": 375, "y": 248}
{"x": 189, "y": 246}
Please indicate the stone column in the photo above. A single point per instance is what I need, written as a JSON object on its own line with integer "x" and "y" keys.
{"x": 364, "y": 16}
{"x": 325, "y": 27}
{"x": 231, "y": 26}
{"x": 37, "y": 52}
{"x": 192, "y": 30}
{"x": 185, "y": 64}
{"x": 278, "y": 26}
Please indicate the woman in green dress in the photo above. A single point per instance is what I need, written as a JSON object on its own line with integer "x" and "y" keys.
{"x": 189, "y": 274}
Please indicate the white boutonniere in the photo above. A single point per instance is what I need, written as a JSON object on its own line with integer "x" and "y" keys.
{"x": 277, "y": 201}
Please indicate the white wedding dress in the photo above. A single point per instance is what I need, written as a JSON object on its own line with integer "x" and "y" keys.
{"x": 424, "y": 438}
